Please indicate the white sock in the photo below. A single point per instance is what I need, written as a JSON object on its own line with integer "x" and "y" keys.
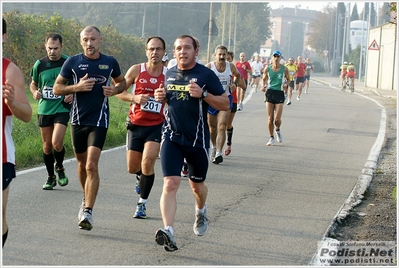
{"x": 141, "y": 200}
{"x": 169, "y": 228}
{"x": 218, "y": 153}
{"x": 200, "y": 210}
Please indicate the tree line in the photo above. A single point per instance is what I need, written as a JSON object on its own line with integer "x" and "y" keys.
{"x": 126, "y": 26}
{"x": 26, "y": 36}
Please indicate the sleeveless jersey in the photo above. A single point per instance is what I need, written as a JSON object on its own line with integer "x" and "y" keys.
{"x": 44, "y": 72}
{"x": 225, "y": 77}
{"x": 91, "y": 108}
{"x": 275, "y": 78}
{"x": 186, "y": 117}
{"x": 151, "y": 113}
{"x": 8, "y": 143}
{"x": 292, "y": 68}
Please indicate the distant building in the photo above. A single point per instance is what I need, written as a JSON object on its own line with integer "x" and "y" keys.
{"x": 357, "y": 31}
{"x": 281, "y": 20}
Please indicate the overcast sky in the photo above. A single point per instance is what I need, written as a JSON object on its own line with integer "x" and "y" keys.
{"x": 313, "y": 5}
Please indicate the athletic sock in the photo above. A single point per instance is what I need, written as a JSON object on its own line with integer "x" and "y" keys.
{"x": 49, "y": 163}
{"x": 59, "y": 157}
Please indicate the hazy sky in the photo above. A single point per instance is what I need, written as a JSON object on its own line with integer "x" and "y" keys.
{"x": 313, "y": 5}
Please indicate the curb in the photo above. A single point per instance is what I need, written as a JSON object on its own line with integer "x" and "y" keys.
{"x": 363, "y": 182}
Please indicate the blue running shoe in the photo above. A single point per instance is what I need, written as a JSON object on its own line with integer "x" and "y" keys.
{"x": 141, "y": 212}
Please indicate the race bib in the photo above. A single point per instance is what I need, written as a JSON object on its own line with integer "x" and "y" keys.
{"x": 48, "y": 94}
{"x": 152, "y": 106}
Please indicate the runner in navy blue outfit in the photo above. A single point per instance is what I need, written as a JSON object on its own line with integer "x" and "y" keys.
{"x": 91, "y": 72}
{"x": 189, "y": 89}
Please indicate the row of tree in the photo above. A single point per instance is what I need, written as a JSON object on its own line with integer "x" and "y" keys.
{"x": 26, "y": 35}
{"x": 167, "y": 19}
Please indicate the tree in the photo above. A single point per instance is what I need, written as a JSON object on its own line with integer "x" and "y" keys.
{"x": 355, "y": 14}
{"x": 384, "y": 14}
{"x": 322, "y": 35}
{"x": 373, "y": 13}
{"x": 252, "y": 26}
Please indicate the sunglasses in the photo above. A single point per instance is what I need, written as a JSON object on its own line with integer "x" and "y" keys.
{"x": 276, "y": 56}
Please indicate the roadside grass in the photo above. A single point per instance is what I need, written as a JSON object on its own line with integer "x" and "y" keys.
{"x": 28, "y": 141}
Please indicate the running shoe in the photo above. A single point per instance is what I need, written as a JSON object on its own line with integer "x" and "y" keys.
{"x": 298, "y": 98}
{"x": 218, "y": 159}
{"x": 279, "y": 137}
{"x": 227, "y": 150}
{"x": 239, "y": 107}
{"x": 289, "y": 102}
{"x": 270, "y": 142}
{"x": 213, "y": 153}
{"x": 306, "y": 92}
{"x": 141, "y": 212}
{"x": 165, "y": 238}
{"x": 184, "y": 170}
{"x": 86, "y": 221}
{"x": 201, "y": 224}
{"x": 50, "y": 183}
{"x": 138, "y": 190}
{"x": 81, "y": 209}
{"x": 62, "y": 178}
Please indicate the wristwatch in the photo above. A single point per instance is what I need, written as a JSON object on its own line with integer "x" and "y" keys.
{"x": 204, "y": 94}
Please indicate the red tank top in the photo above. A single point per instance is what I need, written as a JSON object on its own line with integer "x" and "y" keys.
{"x": 8, "y": 145}
{"x": 151, "y": 113}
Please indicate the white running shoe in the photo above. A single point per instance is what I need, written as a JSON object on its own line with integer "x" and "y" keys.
{"x": 86, "y": 221}
{"x": 279, "y": 137}
{"x": 298, "y": 98}
{"x": 270, "y": 142}
{"x": 201, "y": 223}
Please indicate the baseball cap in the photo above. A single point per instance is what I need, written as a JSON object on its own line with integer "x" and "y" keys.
{"x": 165, "y": 57}
{"x": 277, "y": 52}
{"x": 345, "y": 62}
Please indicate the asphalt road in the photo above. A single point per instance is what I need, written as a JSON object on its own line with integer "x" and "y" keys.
{"x": 267, "y": 205}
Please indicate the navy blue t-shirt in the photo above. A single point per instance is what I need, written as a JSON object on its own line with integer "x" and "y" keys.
{"x": 186, "y": 117}
{"x": 91, "y": 108}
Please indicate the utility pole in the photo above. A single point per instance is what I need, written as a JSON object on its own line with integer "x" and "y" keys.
{"x": 209, "y": 33}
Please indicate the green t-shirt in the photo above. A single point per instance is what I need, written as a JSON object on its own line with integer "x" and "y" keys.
{"x": 44, "y": 72}
{"x": 275, "y": 78}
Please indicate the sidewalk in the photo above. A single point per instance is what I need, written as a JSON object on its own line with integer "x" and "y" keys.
{"x": 359, "y": 86}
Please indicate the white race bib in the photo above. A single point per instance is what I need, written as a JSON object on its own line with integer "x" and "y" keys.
{"x": 152, "y": 106}
{"x": 48, "y": 94}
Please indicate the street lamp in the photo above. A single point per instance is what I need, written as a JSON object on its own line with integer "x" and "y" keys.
{"x": 289, "y": 39}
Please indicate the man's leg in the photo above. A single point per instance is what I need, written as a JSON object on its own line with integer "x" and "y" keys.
{"x": 4, "y": 221}
{"x": 270, "y": 118}
{"x": 168, "y": 202}
{"x": 222, "y": 121}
